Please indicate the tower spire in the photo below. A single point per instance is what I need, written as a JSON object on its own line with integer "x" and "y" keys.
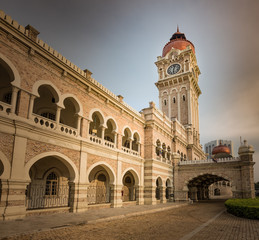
{"x": 177, "y": 28}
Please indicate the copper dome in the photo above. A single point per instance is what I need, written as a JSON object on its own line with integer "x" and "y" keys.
{"x": 178, "y": 41}
{"x": 221, "y": 151}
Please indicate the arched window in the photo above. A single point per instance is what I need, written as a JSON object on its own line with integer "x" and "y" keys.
{"x": 158, "y": 146}
{"x": 51, "y": 187}
{"x": 163, "y": 150}
{"x": 165, "y": 102}
{"x": 184, "y": 98}
{"x": 174, "y": 100}
{"x": 126, "y": 138}
{"x": 181, "y": 156}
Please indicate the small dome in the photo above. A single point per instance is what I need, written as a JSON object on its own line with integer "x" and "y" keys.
{"x": 178, "y": 41}
{"x": 221, "y": 151}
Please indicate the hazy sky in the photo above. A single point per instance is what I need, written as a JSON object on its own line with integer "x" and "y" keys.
{"x": 119, "y": 41}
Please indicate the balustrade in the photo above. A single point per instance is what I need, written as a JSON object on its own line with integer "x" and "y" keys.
{"x": 5, "y": 107}
{"x": 44, "y": 122}
{"x": 220, "y": 160}
{"x": 67, "y": 129}
{"x": 95, "y": 139}
{"x": 109, "y": 144}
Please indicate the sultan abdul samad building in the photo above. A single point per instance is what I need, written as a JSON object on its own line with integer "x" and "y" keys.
{"x": 70, "y": 144}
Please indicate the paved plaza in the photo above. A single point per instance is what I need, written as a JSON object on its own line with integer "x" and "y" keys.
{"x": 203, "y": 220}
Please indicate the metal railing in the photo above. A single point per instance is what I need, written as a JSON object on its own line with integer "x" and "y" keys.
{"x": 98, "y": 194}
{"x": 39, "y": 196}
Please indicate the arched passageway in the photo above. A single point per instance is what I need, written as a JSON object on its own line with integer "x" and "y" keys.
{"x": 128, "y": 190}
{"x": 159, "y": 188}
{"x": 99, "y": 190}
{"x": 49, "y": 186}
{"x": 199, "y": 187}
{"x": 168, "y": 189}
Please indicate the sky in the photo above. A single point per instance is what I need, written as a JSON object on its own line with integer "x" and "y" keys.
{"x": 119, "y": 41}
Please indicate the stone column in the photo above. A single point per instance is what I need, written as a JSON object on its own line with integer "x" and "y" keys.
{"x": 31, "y": 103}
{"x": 130, "y": 143}
{"x": 115, "y": 195}
{"x": 115, "y": 139}
{"x": 79, "y": 125}
{"x": 13, "y": 190}
{"x": 140, "y": 195}
{"x": 119, "y": 141}
{"x": 103, "y": 132}
{"x": 58, "y": 115}
{"x": 162, "y": 194}
{"x": 13, "y": 199}
{"x": 150, "y": 195}
{"x": 84, "y": 127}
{"x": 78, "y": 197}
{"x": 14, "y": 99}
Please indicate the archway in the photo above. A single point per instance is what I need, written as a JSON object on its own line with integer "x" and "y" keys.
{"x": 168, "y": 189}
{"x": 110, "y": 131}
{"x": 69, "y": 115}
{"x": 49, "y": 187}
{"x": 221, "y": 190}
{"x": 129, "y": 188}
{"x": 9, "y": 79}
{"x": 159, "y": 184}
{"x": 99, "y": 189}
{"x": 135, "y": 142}
{"x": 199, "y": 186}
{"x": 96, "y": 125}
{"x": 126, "y": 138}
{"x": 46, "y": 104}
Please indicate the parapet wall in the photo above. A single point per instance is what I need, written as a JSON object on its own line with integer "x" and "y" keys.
{"x": 57, "y": 55}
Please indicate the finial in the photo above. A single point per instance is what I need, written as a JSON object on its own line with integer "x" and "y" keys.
{"x": 177, "y": 28}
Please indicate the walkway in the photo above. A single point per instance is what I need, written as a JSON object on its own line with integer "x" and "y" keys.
{"x": 200, "y": 221}
{"x": 46, "y": 222}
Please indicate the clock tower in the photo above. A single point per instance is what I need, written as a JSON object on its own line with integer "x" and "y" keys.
{"x": 178, "y": 83}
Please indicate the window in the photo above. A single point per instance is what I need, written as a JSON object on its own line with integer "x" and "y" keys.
{"x": 184, "y": 98}
{"x": 165, "y": 102}
{"x": 174, "y": 100}
{"x": 51, "y": 184}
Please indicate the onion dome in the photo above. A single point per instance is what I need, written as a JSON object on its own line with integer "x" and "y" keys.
{"x": 178, "y": 41}
{"x": 221, "y": 151}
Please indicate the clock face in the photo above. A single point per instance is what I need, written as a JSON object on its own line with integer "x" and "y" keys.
{"x": 173, "y": 69}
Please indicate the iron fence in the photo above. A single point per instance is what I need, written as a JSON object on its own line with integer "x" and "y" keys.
{"x": 39, "y": 196}
{"x": 98, "y": 194}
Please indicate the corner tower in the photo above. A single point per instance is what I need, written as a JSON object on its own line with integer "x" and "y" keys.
{"x": 178, "y": 82}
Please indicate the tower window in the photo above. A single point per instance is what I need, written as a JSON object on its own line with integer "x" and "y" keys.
{"x": 184, "y": 98}
{"x": 165, "y": 102}
{"x": 174, "y": 100}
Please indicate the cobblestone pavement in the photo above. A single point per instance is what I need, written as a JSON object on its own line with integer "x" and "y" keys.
{"x": 188, "y": 222}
